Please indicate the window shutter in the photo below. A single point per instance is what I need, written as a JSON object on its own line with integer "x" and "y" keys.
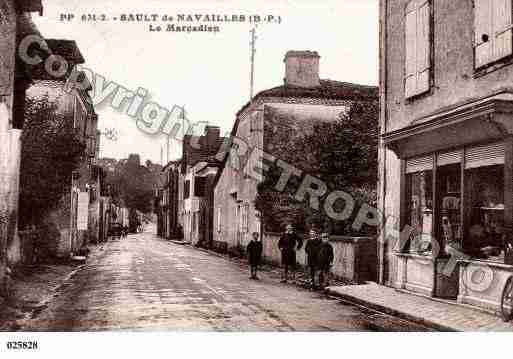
{"x": 448, "y": 158}
{"x": 483, "y": 15}
{"x": 502, "y": 29}
{"x": 493, "y": 20}
{"x": 486, "y": 155}
{"x": 418, "y": 45}
{"x": 423, "y": 47}
{"x": 418, "y": 164}
{"x": 410, "y": 84}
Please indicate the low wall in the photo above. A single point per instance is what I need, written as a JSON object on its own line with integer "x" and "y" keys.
{"x": 355, "y": 258}
{"x": 481, "y": 283}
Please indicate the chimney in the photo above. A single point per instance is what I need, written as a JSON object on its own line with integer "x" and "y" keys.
{"x": 302, "y": 68}
{"x": 212, "y": 134}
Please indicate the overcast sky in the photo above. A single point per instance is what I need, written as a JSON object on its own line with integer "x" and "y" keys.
{"x": 206, "y": 72}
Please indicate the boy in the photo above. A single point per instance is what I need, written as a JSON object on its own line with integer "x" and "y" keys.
{"x": 254, "y": 251}
{"x": 288, "y": 244}
{"x": 325, "y": 260}
{"x": 312, "y": 252}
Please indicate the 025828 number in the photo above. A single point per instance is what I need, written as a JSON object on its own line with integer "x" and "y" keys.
{"x": 22, "y": 345}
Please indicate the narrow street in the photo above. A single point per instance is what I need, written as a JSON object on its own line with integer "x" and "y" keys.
{"x": 145, "y": 283}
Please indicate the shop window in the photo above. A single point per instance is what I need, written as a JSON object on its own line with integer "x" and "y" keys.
{"x": 420, "y": 209}
{"x": 485, "y": 213}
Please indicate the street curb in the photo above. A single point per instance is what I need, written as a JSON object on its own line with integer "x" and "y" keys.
{"x": 182, "y": 243}
{"x": 387, "y": 310}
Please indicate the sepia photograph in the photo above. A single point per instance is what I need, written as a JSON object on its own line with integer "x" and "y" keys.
{"x": 323, "y": 169}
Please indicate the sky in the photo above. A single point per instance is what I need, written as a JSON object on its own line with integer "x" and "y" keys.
{"x": 209, "y": 73}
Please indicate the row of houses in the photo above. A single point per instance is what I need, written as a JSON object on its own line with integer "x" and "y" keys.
{"x": 445, "y": 193}
{"x": 83, "y": 213}
{"x": 209, "y": 196}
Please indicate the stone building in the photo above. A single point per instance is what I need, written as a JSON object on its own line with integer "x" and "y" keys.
{"x": 446, "y": 159}
{"x": 78, "y": 218}
{"x": 15, "y": 22}
{"x": 169, "y": 202}
{"x": 199, "y": 166}
{"x": 303, "y": 99}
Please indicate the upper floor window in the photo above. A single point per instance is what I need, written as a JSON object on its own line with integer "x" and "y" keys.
{"x": 200, "y": 184}
{"x": 187, "y": 189}
{"x": 418, "y": 48}
{"x": 492, "y": 28}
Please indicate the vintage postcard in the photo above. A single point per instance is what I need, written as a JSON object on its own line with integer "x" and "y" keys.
{"x": 255, "y": 166}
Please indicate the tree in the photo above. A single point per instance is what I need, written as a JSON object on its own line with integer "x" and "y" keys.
{"x": 132, "y": 184}
{"x": 51, "y": 151}
{"x": 342, "y": 153}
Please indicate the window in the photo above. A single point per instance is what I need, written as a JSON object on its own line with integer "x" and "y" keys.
{"x": 219, "y": 228}
{"x": 419, "y": 194}
{"x": 418, "y": 48}
{"x": 200, "y": 186}
{"x": 245, "y": 218}
{"x": 492, "y": 29}
{"x": 484, "y": 178}
{"x": 465, "y": 201}
{"x": 187, "y": 189}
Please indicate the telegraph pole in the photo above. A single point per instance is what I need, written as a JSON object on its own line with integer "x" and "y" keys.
{"x": 253, "y": 50}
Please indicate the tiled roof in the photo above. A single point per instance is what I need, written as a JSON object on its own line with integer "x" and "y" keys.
{"x": 328, "y": 90}
{"x": 30, "y": 6}
{"x": 67, "y": 49}
{"x": 196, "y": 149}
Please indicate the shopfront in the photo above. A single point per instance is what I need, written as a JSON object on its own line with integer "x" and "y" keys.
{"x": 457, "y": 202}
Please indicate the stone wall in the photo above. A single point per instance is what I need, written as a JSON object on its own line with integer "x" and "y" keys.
{"x": 355, "y": 257}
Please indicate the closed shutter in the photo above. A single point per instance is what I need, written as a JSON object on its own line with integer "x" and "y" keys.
{"x": 423, "y": 47}
{"x": 419, "y": 164}
{"x": 485, "y": 155}
{"x": 502, "y": 28}
{"x": 483, "y": 31}
{"x": 449, "y": 158}
{"x": 492, "y": 28}
{"x": 418, "y": 45}
{"x": 410, "y": 84}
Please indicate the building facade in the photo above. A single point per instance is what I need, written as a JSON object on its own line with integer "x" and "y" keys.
{"x": 78, "y": 217}
{"x": 15, "y": 22}
{"x": 303, "y": 101}
{"x": 168, "y": 203}
{"x": 199, "y": 166}
{"x": 446, "y": 154}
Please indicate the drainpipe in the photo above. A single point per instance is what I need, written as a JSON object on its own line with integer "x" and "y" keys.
{"x": 383, "y": 129}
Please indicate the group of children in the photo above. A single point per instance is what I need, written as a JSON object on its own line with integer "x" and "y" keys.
{"x": 318, "y": 250}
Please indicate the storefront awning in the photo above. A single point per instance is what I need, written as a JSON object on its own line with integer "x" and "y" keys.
{"x": 480, "y": 121}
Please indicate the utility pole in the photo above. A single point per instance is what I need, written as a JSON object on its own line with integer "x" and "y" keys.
{"x": 167, "y": 149}
{"x": 253, "y": 50}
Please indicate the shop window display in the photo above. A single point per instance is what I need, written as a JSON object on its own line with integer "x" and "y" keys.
{"x": 485, "y": 233}
{"x": 420, "y": 211}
